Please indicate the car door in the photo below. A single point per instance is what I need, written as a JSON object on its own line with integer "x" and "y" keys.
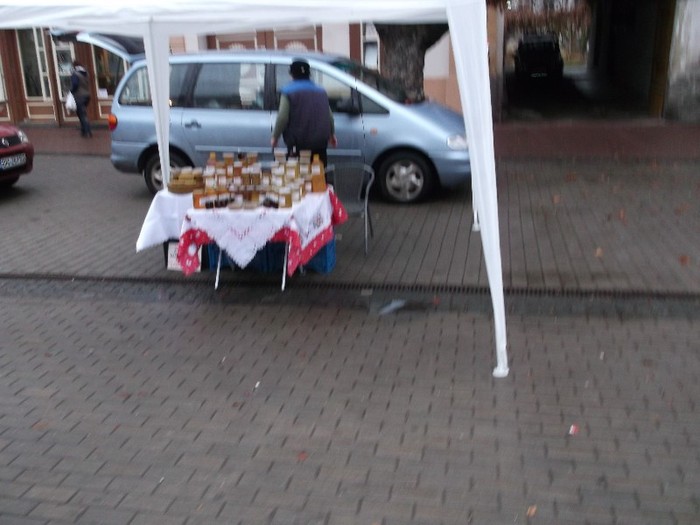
{"x": 377, "y": 126}
{"x": 348, "y": 124}
{"x": 226, "y": 110}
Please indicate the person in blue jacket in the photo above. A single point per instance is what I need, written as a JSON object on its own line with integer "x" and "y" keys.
{"x": 80, "y": 87}
{"x": 304, "y": 119}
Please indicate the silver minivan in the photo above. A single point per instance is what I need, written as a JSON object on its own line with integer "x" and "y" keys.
{"x": 225, "y": 101}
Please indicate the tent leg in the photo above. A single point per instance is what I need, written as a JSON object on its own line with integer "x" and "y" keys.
{"x": 501, "y": 369}
{"x": 475, "y": 225}
{"x": 500, "y": 372}
{"x": 284, "y": 266}
{"x": 218, "y": 270}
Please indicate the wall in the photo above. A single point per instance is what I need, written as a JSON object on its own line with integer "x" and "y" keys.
{"x": 632, "y": 47}
{"x": 683, "y": 95}
{"x": 436, "y": 73}
{"x": 336, "y": 39}
{"x": 496, "y": 37}
{"x": 440, "y": 78}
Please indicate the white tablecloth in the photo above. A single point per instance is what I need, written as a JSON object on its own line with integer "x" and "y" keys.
{"x": 241, "y": 233}
{"x": 163, "y": 221}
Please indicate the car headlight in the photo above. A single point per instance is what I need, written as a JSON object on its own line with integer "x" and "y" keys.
{"x": 22, "y": 136}
{"x": 457, "y": 142}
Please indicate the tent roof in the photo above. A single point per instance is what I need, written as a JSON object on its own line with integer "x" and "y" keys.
{"x": 157, "y": 20}
{"x": 133, "y": 17}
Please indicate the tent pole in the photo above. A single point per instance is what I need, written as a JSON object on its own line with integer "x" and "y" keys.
{"x": 469, "y": 45}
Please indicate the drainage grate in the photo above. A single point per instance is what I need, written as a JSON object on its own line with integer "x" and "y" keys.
{"x": 380, "y": 300}
{"x": 441, "y": 289}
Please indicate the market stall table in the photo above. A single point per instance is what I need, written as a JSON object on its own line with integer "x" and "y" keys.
{"x": 163, "y": 221}
{"x": 306, "y": 227}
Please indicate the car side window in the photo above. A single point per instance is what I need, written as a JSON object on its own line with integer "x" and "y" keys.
{"x": 369, "y": 106}
{"x": 282, "y": 78}
{"x": 137, "y": 91}
{"x": 178, "y": 94}
{"x": 336, "y": 90}
{"x": 229, "y": 86}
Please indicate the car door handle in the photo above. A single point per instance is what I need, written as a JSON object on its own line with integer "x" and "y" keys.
{"x": 193, "y": 124}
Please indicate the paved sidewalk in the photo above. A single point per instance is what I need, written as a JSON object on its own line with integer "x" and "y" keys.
{"x": 132, "y": 403}
{"x": 576, "y": 227}
{"x": 624, "y": 140}
{"x": 132, "y": 395}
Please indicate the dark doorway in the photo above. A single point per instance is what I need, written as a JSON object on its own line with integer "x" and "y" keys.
{"x": 579, "y": 94}
{"x": 615, "y": 56}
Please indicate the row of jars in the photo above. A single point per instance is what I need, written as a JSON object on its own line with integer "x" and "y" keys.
{"x": 250, "y": 196}
{"x": 243, "y": 183}
{"x": 278, "y": 174}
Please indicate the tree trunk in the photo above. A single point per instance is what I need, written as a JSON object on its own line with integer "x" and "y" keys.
{"x": 403, "y": 53}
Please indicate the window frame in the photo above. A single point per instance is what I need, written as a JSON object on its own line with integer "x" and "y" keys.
{"x": 43, "y": 67}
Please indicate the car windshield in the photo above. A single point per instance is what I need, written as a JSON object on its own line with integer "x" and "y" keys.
{"x": 373, "y": 79}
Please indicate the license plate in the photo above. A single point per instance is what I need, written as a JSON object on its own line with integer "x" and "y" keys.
{"x": 13, "y": 161}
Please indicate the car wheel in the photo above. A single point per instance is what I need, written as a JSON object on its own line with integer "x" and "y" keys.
{"x": 406, "y": 177}
{"x": 153, "y": 174}
{"x": 9, "y": 182}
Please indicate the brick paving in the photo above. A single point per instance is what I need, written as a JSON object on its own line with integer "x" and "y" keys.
{"x": 130, "y": 394}
{"x": 164, "y": 405}
{"x": 566, "y": 227}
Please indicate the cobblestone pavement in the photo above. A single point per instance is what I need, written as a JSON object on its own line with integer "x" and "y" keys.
{"x": 132, "y": 395}
{"x": 171, "y": 403}
{"x": 566, "y": 227}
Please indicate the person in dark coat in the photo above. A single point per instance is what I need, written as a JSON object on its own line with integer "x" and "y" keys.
{"x": 80, "y": 87}
{"x": 304, "y": 119}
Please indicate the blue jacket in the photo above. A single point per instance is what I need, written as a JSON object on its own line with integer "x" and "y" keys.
{"x": 310, "y": 124}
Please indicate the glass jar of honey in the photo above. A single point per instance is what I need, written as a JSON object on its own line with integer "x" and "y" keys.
{"x": 285, "y": 197}
{"x": 197, "y": 196}
{"x": 210, "y": 198}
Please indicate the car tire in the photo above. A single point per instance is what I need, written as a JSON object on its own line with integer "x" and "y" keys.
{"x": 406, "y": 177}
{"x": 152, "y": 173}
{"x": 9, "y": 182}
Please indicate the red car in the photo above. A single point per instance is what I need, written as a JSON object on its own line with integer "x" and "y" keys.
{"x": 16, "y": 154}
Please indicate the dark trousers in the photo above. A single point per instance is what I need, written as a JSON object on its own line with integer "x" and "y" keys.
{"x": 322, "y": 154}
{"x": 81, "y": 111}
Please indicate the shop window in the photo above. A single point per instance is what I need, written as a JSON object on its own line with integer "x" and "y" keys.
{"x": 64, "y": 65}
{"x": 300, "y": 39}
{"x": 3, "y": 96}
{"x": 296, "y": 47}
{"x": 34, "y": 66}
{"x": 370, "y": 47}
{"x": 109, "y": 70}
{"x": 237, "y": 41}
{"x": 230, "y": 86}
{"x": 371, "y": 55}
{"x": 4, "y": 108}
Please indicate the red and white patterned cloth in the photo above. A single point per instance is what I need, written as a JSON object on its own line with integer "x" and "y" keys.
{"x": 306, "y": 227}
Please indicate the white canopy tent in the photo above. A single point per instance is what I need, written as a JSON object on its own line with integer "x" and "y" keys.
{"x": 157, "y": 20}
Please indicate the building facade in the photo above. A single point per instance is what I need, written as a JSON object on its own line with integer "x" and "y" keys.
{"x": 35, "y": 66}
{"x": 35, "y": 77}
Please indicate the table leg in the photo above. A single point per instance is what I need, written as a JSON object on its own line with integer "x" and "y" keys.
{"x": 218, "y": 269}
{"x": 284, "y": 266}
